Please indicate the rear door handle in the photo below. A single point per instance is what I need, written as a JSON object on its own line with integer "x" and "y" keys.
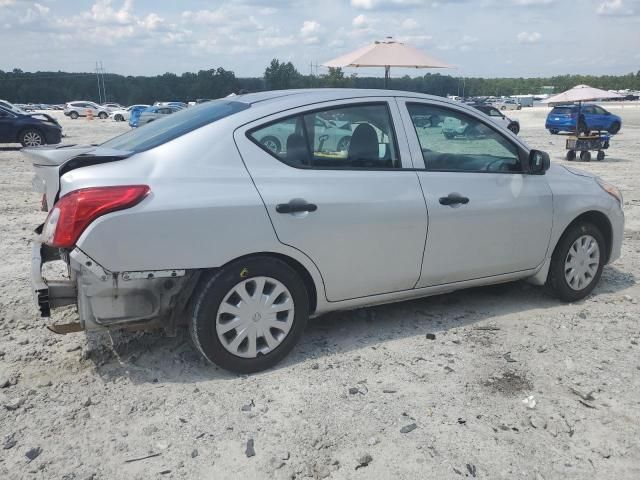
{"x": 296, "y": 207}
{"x": 454, "y": 199}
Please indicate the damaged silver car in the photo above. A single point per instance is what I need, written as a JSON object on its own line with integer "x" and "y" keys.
{"x": 192, "y": 220}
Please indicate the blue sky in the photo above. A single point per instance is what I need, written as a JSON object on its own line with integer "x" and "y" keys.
{"x": 481, "y": 37}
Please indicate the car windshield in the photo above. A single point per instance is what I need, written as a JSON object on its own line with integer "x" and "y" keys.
{"x": 173, "y": 126}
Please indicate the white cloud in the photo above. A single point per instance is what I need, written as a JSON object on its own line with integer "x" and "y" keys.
{"x": 614, "y": 8}
{"x": 205, "y": 17}
{"x": 363, "y": 4}
{"x": 361, "y": 21}
{"x": 529, "y": 37}
{"x": 410, "y": 24}
{"x": 6, "y": 3}
{"x": 309, "y": 27}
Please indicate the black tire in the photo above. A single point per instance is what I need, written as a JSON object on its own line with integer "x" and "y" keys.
{"x": 514, "y": 127}
{"x": 211, "y": 292}
{"x": 571, "y": 155}
{"x": 119, "y": 118}
{"x": 556, "y": 282}
{"x": 585, "y": 156}
{"x": 103, "y": 115}
{"x": 554, "y": 131}
{"x": 270, "y": 143}
{"x": 503, "y": 108}
{"x": 29, "y": 138}
{"x": 74, "y": 115}
{"x": 600, "y": 156}
{"x": 614, "y": 128}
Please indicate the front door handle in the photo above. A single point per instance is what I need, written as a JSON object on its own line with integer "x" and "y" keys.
{"x": 296, "y": 207}
{"x": 454, "y": 199}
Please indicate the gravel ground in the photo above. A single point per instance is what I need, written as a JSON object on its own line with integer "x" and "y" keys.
{"x": 431, "y": 388}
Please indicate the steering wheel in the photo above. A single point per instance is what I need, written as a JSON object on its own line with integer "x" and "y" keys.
{"x": 502, "y": 168}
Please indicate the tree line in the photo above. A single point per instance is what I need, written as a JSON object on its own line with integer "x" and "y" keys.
{"x": 59, "y": 87}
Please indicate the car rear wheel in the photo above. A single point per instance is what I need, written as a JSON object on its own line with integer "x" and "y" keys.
{"x": 247, "y": 316}
{"x": 272, "y": 144}
{"x": 119, "y": 118}
{"x": 577, "y": 262}
{"x": 614, "y": 128}
{"x": 31, "y": 138}
{"x": 103, "y": 115}
{"x": 74, "y": 115}
{"x": 571, "y": 155}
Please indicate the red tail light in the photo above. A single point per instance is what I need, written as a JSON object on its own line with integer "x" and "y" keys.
{"x": 76, "y": 210}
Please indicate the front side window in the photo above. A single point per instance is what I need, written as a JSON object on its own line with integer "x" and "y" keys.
{"x": 459, "y": 142}
{"x": 359, "y": 136}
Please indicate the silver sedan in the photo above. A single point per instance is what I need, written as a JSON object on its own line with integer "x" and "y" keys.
{"x": 193, "y": 220}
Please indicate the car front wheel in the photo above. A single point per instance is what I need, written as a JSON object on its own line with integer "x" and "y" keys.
{"x": 614, "y": 128}
{"x": 31, "y": 138}
{"x": 74, "y": 115}
{"x": 577, "y": 262}
{"x": 103, "y": 115}
{"x": 247, "y": 316}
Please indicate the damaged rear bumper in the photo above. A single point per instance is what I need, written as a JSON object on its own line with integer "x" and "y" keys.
{"x": 49, "y": 294}
{"x": 103, "y": 298}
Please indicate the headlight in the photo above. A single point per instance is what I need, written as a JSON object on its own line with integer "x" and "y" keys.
{"x": 611, "y": 190}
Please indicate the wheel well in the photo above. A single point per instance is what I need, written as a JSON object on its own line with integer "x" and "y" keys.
{"x": 306, "y": 278}
{"x": 297, "y": 266}
{"x": 603, "y": 224}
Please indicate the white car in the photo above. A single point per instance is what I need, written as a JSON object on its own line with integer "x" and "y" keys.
{"x": 508, "y": 104}
{"x": 191, "y": 220}
{"x": 112, "y": 107}
{"x": 123, "y": 114}
{"x": 81, "y": 108}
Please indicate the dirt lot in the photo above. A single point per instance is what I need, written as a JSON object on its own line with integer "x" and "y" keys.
{"x": 338, "y": 405}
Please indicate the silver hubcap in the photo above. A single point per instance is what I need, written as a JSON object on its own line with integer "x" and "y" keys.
{"x": 582, "y": 262}
{"x": 32, "y": 139}
{"x": 271, "y": 145}
{"x": 255, "y": 317}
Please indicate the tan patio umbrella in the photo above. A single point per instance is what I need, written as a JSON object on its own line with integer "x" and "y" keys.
{"x": 581, "y": 93}
{"x": 387, "y": 54}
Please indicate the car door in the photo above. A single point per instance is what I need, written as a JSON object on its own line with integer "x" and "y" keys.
{"x": 8, "y": 122}
{"x": 498, "y": 117}
{"x": 601, "y": 118}
{"x": 359, "y": 214}
{"x": 487, "y": 217}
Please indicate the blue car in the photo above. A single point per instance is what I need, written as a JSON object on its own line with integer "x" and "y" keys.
{"x": 134, "y": 117}
{"x": 564, "y": 118}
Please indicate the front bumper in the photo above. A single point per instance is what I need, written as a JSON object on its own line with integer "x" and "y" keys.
{"x": 49, "y": 294}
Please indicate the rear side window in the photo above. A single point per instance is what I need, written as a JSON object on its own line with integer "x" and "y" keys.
{"x": 348, "y": 137}
{"x": 173, "y": 126}
{"x": 562, "y": 110}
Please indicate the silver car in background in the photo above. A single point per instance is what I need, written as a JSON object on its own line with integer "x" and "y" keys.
{"x": 193, "y": 220}
{"x": 151, "y": 114}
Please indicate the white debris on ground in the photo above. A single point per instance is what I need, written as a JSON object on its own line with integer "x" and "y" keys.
{"x": 431, "y": 388}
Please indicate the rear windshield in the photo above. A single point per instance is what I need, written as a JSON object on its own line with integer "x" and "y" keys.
{"x": 175, "y": 125}
{"x": 562, "y": 110}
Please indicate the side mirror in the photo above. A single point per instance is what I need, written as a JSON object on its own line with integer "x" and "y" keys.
{"x": 539, "y": 162}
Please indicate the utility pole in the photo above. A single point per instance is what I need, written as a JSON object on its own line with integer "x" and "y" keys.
{"x": 104, "y": 90}
{"x": 99, "y": 89}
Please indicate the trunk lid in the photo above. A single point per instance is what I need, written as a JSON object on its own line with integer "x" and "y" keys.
{"x": 49, "y": 164}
